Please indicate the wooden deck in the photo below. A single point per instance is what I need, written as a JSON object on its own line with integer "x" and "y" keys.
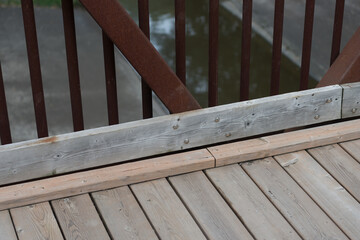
{"x": 297, "y": 185}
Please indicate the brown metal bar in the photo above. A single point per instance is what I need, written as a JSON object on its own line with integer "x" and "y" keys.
{"x": 139, "y": 51}
{"x": 180, "y": 40}
{"x": 144, "y": 25}
{"x": 5, "y": 134}
{"x": 213, "y": 52}
{"x": 346, "y": 67}
{"x": 337, "y": 29}
{"x": 307, "y": 40}
{"x": 72, "y": 64}
{"x": 245, "y": 49}
{"x": 110, "y": 80}
{"x": 34, "y": 66}
{"x": 277, "y": 44}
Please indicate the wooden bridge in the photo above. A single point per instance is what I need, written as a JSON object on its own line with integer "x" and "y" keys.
{"x": 281, "y": 167}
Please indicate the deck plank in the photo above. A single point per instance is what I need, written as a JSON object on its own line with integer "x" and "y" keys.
{"x": 294, "y": 204}
{"x": 207, "y": 206}
{"x": 325, "y": 190}
{"x": 78, "y": 218}
{"x": 341, "y": 166}
{"x": 246, "y": 199}
{"x": 104, "y": 178}
{"x": 123, "y": 215}
{"x": 285, "y": 142}
{"x": 7, "y": 230}
{"x": 353, "y": 148}
{"x": 36, "y": 222}
{"x": 165, "y": 210}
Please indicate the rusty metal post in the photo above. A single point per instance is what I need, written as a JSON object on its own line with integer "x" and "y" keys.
{"x": 144, "y": 25}
{"x": 337, "y": 30}
{"x": 277, "y": 44}
{"x": 110, "y": 80}
{"x": 245, "y": 49}
{"x": 5, "y": 133}
{"x": 34, "y": 66}
{"x": 72, "y": 64}
{"x": 213, "y": 52}
{"x": 307, "y": 40}
{"x": 180, "y": 39}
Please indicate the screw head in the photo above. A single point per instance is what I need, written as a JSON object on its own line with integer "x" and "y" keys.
{"x": 176, "y": 126}
{"x": 227, "y": 134}
{"x": 353, "y": 110}
{"x": 329, "y": 100}
{"x": 217, "y": 119}
{"x": 317, "y": 117}
{"x": 186, "y": 141}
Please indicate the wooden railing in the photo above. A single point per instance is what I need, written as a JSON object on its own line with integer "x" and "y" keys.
{"x": 119, "y": 29}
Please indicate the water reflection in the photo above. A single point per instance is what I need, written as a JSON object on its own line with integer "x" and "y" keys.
{"x": 162, "y": 29}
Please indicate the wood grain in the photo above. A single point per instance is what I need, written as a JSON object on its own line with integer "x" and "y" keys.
{"x": 285, "y": 142}
{"x": 292, "y": 202}
{"x": 7, "y": 230}
{"x": 325, "y": 190}
{"x": 257, "y": 213}
{"x": 165, "y": 211}
{"x": 78, "y": 218}
{"x": 206, "y": 205}
{"x": 122, "y": 215}
{"x": 103, "y": 178}
{"x": 35, "y": 222}
{"x": 353, "y": 148}
{"x": 128, "y": 141}
{"x": 341, "y": 166}
{"x": 351, "y": 100}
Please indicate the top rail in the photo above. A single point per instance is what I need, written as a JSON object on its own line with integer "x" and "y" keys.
{"x": 133, "y": 140}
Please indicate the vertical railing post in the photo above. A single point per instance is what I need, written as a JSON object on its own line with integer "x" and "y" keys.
{"x": 5, "y": 133}
{"x": 277, "y": 45}
{"x": 34, "y": 66}
{"x": 245, "y": 49}
{"x": 72, "y": 64}
{"x": 143, "y": 6}
{"x": 213, "y": 52}
{"x": 110, "y": 80}
{"x": 180, "y": 39}
{"x": 337, "y": 30}
{"x": 307, "y": 40}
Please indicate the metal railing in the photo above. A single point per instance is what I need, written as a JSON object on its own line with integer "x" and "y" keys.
{"x": 119, "y": 29}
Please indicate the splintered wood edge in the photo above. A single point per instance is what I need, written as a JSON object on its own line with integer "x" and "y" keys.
{"x": 284, "y": 143}
{"x": 104, "y": 178}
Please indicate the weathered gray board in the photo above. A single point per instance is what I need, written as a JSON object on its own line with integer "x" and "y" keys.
{"x": 351, "y": 100}
{"x": 118, "y": 143}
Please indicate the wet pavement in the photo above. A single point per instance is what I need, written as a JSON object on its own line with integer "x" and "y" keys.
{"x": 54, "y": 70}
{"x": 263, "y": 17}
{"x": 15, "y": 68}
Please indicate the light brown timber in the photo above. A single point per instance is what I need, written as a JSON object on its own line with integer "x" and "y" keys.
{"x": 340, "y": 165}
{"x": 324, "y": 190}
{"x": 36, "y": 222}
{"x": 353, "y": 148}
{"x": 166, "y": 212}
{"x": 79, "y": 219}
{"x": 258, "y": 214}
{"x": 7, "y": 230}
{"x": 122, "y": 215}
{"x": 285, "y": 142}
{"x": 295, "y": 205}
{"x": 206, "y": 205}
{"x": 103, "y": 178}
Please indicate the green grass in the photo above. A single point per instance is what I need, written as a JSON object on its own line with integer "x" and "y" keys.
{"x": 44, "y": 3}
